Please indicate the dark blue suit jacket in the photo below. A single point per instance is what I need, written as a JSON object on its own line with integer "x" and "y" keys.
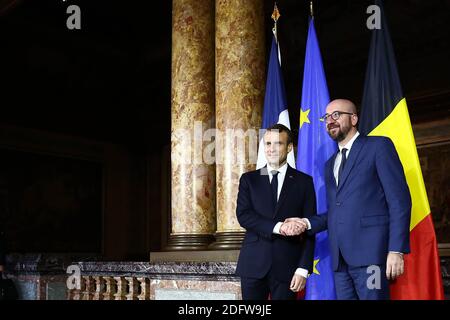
{"x": 369, "y": 213}
{"x": 261, "y": 249}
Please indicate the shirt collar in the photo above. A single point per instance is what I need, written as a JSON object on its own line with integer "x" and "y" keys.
{"x": 349, "y": 144}
{"x": 282, "y": 170}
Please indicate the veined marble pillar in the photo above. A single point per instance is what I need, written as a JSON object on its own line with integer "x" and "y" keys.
{"x": 193, "y": 177}
{"x": 240, "y": 81}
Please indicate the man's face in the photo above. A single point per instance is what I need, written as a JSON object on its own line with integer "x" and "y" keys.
{"x": 276, "y": 148}
{"x": 339, "y": 129}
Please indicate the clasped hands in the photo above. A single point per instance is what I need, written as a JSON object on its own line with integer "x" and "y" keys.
{"x": 293, "y": 227}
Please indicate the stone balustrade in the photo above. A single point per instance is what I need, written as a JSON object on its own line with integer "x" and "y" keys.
{"x": 111, "y": 288}
{"x": 45, "y": 277}
{"x": 155, "y": 280}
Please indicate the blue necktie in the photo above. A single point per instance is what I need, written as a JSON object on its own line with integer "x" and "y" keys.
{"x": 274, "y": 186}
{"x": 341, "y": 167}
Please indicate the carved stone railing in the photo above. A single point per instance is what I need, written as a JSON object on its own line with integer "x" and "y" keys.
{"x": 45, "y": 277}
{"x": 86, "y": 277}
{"x": 133, "y": 280}
{"x": 111, "y": 288}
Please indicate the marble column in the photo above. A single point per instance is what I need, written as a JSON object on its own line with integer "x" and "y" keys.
{"x": 193, "y": 218}
{"x": 240, "y": 82}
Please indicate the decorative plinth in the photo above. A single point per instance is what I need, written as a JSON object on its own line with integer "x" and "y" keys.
{"x": 228, "y": 241}
{"x": 189, "y": 242}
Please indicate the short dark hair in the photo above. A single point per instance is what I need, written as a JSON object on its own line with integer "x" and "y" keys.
{"x": 278, "y": 127}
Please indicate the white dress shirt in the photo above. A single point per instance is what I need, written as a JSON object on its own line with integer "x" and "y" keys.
{"x": 281, "y": 175}
{"x": 337, "y": 161}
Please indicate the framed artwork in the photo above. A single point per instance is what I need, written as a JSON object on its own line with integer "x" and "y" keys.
{"x": 433, "y": 147}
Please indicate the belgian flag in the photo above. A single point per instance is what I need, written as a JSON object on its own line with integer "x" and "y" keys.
{"x": 385, "y": 113}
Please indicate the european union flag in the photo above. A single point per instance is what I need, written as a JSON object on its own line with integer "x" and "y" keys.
{"x": 315, "y": 147}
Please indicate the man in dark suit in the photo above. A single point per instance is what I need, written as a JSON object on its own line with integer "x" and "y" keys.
{"x": 369, "y": 208}
{"x": 272, "y": 261}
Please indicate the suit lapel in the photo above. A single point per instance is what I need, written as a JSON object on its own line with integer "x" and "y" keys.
{"x": 354, "y": 153}
{"x": 289, "y": 181}
{"x": 265, "y": 185}
{"x": 330, "y": 168}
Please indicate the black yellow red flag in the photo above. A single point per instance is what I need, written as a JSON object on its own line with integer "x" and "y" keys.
{"x": 384, "y": 113}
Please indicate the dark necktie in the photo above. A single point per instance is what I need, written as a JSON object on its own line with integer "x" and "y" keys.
{"x": 274, "y": 187}
{"x": 341, "y": 167}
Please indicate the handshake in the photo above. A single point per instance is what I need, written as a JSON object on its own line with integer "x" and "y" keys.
{"x": 293, "y": 226}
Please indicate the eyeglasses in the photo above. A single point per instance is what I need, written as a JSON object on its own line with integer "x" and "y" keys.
{"x": 334, "y": 115}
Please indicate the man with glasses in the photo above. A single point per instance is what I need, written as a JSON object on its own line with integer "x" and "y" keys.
{"x": 369, "y": 208}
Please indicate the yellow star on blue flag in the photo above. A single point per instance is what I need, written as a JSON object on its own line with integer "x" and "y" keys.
{"x": 304, "y": 117}
{"x": 315, "y": 267}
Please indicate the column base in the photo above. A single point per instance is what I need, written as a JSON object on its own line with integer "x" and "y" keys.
{"x": 188, "y": 242}
{"x": 228, "y": 241}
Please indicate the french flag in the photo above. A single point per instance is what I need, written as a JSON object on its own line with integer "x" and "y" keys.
{"x": 275, "y": 107}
